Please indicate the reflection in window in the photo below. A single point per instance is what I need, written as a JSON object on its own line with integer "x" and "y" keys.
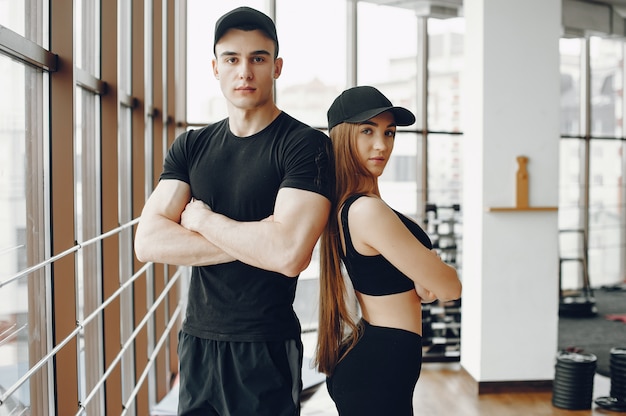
{"x": 383, "y": 61}
{"x": 14, "y": 242}
{"x": 445, "y": 62}
{"x": 314, "y": 70}
{"x": 12, "y": 15}
{"x": 603, "y": 215}
{"x": 87, "y": 226}
{"x": 571, "y": 178}
{"x": 606, "y": 87}
{"x": 606, "y": 212}
{"x": 444, "y": 169}
{"x": 570, "y": 86}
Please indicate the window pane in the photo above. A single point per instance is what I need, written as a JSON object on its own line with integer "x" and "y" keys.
{"x": 314, "y": 72}
{"x": 606, "y": 87}
{"x": 606, "y": 212}
{"x": 571, "y": 180}
{"x": 125, "y": 47}
{"x": 22, "y": 233}
{"x": 12, "y": 15}
{"x": 571, "y": 194}
{"x": 88, "y": 278}
{"x": 390, "y": 65}
{"x": 87, "y": 44}
{"x": 383, "y": 60}
{"x": 444, "y": 169}
{"x": 445, "y": 62}
{"x": 570, "y": 86}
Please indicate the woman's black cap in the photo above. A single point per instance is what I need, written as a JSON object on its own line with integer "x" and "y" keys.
{"x": 358, "y": 104}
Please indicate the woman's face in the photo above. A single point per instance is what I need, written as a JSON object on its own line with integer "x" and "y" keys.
{"x": 374, "y": 142}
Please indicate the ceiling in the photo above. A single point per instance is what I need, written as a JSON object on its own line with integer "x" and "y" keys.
{"x": 580, "y": 18}
{"x": 456, "y": 4}
{"x": 613, "y": 2}
{"x": 619, "y": 5}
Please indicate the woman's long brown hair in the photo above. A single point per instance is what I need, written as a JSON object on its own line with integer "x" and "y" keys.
{"x": 338, "y": 332}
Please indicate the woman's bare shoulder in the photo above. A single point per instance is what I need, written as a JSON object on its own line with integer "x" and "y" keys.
{"x": 370, "y": 208}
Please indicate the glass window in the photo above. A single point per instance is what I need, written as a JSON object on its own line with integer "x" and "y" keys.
{"x": 88, "y": 278}
{"x": 125, "y": 47}
{"x": 87, "y": 44}
{"x": 444, "y": 169}
{"x": 570, "y": 86}
{"x": 13, "y": 250}
{"x": 390, "y": 65}
{"x": 571, "y": 194}
{"x": 383, "y": 60}
{"x": 314, "y": 53}
{"x": 571, "y": 178}
{"x": 445, "y": 62}
{"x": 606, "y": 212}
{"x": 606, "y": 87}
{"x": 22, "y": 233}
{"x": 12, "y": 15}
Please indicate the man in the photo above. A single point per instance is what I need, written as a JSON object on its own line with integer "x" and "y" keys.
{"x": 244, "y": 201}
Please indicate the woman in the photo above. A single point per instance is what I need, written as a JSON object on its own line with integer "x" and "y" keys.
{"x": 373, "y": 364}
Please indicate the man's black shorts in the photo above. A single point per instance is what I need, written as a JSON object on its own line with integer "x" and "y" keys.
{"x": 228, "y": 378}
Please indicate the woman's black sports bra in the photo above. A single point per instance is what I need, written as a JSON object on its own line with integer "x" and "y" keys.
{"x": 374, "y": 275}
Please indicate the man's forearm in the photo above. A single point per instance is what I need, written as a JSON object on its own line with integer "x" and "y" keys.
{"x": 281, "y": 243}
{"x": 263, "y": 244}
{"x": 161, "y": 240}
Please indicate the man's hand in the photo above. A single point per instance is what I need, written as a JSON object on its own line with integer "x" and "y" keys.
{"x": 160, "y": 236}
{"x": 194, "y": 215}
{"x": 283, "y": 242}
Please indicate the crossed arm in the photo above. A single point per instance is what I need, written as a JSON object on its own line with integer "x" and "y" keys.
{"x": 376, "y": 229}
{"x": 176, "y": 231}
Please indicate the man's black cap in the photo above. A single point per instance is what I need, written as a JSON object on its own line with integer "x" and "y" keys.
{"x": 245, "y": 16}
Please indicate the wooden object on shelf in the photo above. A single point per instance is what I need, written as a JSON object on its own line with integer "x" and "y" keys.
{"x": 521, "y": 197}
{"x": 521, "y": 191}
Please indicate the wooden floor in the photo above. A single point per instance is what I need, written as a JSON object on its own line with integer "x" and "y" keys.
{"x": 447, "y": 390}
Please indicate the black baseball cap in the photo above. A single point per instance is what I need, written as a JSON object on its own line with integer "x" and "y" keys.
{"x": 245, "y": 16}
{"x": 358, "y": 104}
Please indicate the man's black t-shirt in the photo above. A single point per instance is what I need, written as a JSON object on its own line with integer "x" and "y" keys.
{"x": 240, "y": 178}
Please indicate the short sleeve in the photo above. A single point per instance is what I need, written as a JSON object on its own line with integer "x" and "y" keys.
{"x": 308, "y": 163}
{"x": 176, "y": 163}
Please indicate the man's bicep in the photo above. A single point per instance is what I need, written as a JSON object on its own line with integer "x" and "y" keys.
{"x": 168, "y": 199}
{"x": 304, "y": 212}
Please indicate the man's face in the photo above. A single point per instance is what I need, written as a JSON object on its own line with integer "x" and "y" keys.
{"x": 246, "y": 68}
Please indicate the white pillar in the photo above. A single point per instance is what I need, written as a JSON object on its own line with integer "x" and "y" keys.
{"x": 510, "y": 259}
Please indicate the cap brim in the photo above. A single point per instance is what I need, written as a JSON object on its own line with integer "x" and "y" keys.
{"x": 402, "y": 116}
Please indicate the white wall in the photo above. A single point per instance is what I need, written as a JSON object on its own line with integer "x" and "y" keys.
{"x": 510, "y": 259}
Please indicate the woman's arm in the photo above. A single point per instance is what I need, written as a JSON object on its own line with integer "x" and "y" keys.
{"x": 376, "y": 229}
{"x": 425, "y": 295}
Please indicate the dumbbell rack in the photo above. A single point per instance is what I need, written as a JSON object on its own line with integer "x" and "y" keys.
{"x": 441, "y": 321}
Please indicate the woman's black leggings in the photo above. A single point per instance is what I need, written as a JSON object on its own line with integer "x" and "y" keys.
{"x": 378, "y": 376}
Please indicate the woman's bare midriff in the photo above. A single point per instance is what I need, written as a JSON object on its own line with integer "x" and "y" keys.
{"x": 400, "y": 310}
